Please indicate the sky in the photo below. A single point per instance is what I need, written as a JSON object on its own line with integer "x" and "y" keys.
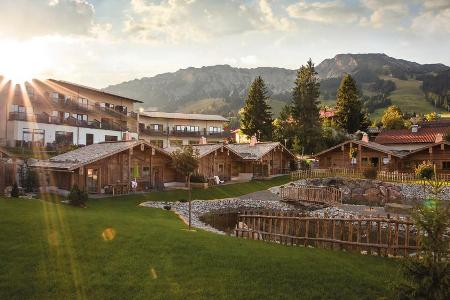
{"x": 103, "y": 42}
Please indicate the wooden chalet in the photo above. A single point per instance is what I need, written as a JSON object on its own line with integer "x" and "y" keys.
{"x": 108, "y": 167}
{"x": 392, "y": 157}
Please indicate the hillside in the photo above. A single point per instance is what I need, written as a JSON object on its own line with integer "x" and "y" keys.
{"x": 221, "y": 89}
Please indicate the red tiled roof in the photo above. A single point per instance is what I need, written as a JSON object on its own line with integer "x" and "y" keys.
{"x": 327, "y": 112}
{"x": 406, "y": 136}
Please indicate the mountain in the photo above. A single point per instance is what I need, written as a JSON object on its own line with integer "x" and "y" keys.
{"x": 222, "y": 88}
{"x": 378, "y": 64}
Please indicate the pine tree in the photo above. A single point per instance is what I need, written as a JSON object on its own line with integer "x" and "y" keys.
{"x": 305, "y": 108}
{"x": 256, "y": 118}
{"x": 349, "y": 114}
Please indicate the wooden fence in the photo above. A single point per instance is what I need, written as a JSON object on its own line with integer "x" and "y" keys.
{"x": 353, "y": 173}
{"x": 312, "y": 194}
{"x": 380, "y": 235}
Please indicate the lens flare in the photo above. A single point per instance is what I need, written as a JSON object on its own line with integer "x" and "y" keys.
{"x": 108, "y": 234}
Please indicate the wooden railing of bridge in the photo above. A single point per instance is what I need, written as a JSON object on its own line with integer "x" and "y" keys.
{"x": 311, "y": 194}
{"x": 371, "y": 235}
{"x": 353, "y": 173}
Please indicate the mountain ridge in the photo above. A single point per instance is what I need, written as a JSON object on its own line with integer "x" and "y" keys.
{"x": 174, "y": 91}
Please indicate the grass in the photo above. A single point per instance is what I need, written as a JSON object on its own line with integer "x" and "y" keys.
{"x": 408, "y": 96}
{"x": 116, "y": 250}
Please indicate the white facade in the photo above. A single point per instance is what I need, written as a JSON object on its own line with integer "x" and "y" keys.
{"x": 18, "y": 131}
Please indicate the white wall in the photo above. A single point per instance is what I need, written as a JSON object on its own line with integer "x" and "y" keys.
{"x": 15, "y": 132}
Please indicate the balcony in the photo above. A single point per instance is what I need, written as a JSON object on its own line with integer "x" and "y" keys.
{"x": 71, "y": 121}
{"x": 219, "y": 135}
{"x": 185, "y": 133}
{"x": 152, "y": 132}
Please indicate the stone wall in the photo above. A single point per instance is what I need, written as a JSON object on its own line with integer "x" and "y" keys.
{"x": 374, "y": 192}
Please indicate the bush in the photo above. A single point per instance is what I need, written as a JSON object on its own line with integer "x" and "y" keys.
{"x": 447, "y": 136}
{"x": 15, "y": 191}
{"x": 30, "y": 181}
{"x": 425, "y": 171}
{"x": 370, "y": 173}
{"x": 78, "y": 197}
{"x": 198, "y": 178}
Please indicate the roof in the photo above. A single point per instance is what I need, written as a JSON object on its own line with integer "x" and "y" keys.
{"x": 201, "y": 149}
{"x": 257, "y": 151}
{"x": 4, "y": 151}
{"x": 327, "y": 112}
{"x": 404, "y": 136}
{"x": 428, "y": 146}
{"x": 371, "y": 145}
{"x": 74, "y": 159}
{"x": 166, "y": 115}
{"x": 76, "y": 85}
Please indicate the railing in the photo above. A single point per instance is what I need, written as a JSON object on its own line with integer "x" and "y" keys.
{"x": 185, "y": 133}
{"x": 353, "y": 173}
{"x": 152, "y": 132}
{"x": 319, "y": 195}
{"x": 372, "y": 235}
{"x": 223, "y": 134}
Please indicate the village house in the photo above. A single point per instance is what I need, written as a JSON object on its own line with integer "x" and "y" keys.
{"x": 393, "y": 150}
{"x": 52, "y": 112}
{"x": 164, "y": 129}
{"x": 108, "y": 167}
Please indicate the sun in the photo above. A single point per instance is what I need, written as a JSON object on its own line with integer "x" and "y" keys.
{"x": 22, "y": 61}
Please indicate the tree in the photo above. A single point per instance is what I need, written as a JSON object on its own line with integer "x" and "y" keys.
{"x": 393, "y": 118}
{"x": 283, "y": 127}
{"x": 432, "y": 116}
{"x": 256, "y": 118}
{"x": 305, "y": 107}
{"x": 427, "y": 275}
{"x": 349, "y": 115}
{"x": 185, "y": 161}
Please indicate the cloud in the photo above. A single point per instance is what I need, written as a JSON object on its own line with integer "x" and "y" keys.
{"x": 199, "y": 20}
{"x": 27, "y": 19}
{"x": 386, "y": 13}
{"x": 434, "y": 18}
{"x": 328, "y": 12}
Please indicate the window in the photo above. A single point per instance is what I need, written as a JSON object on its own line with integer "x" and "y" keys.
{"x": 365, "y": 161}
{"x": 81, "y": 118}
{"x": 83, "y": 102}
{"x": 64, "y": 137}
{"x": 33, "y": 135}
{"x": 446, "y": 165}
{"x": 156, "y": 127}
{"x": 111, "y": 138}
{"x": 213, "y": 129}
{"x": 187, "y": 128}
{"x": 18, "y": 108}
{"x": 146, "y": 172}
{"x": 157, "y": 143}
{"x": 191, "y": 142}
{"x": 176, "y": 143}
{"x": 55, "y": 95}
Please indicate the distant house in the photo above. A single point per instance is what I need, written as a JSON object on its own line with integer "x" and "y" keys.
{"x": 327, "y": 113}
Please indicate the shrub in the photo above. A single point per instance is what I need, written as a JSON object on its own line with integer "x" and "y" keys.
{"x": 78, "y": 197}
{"x": 198, "y": 178}
{"x": 425, "y": 171}
{"x": 370, "y": 173}
{"x": 30, "y": 181}
{"x": 15, "y": 191}
{"x": 447, "y": 136}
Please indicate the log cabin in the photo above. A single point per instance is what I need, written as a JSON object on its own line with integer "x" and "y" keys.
{"x": 107, "y": 167}
{"x": 360, "y": 154}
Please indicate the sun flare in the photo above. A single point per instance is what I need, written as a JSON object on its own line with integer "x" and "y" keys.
{"x": 22, "y": 61}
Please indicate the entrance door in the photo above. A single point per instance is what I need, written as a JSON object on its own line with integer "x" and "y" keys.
{"x": 89, "y": 139}
{"x": 92, "y": 180}
{"x": 375, "y": 161}
{"x": 157, "y": 178}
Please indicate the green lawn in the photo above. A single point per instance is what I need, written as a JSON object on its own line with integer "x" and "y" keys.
{"x": 54, "y": 251}
{"x": 408, "y": 96}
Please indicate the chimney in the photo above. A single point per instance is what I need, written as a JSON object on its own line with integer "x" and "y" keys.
{"x": 414, "y": 128}
{"x": 253, "y": 141}
{"x": 203, "y": 141}
{"x": 365, "y": 138}
{"x": 438, "y": 138}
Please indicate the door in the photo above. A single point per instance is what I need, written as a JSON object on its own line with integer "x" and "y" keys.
{"x": 157, "y": 178}
{"x": 89, "y": 139}
{"x": 92, "y": 180}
